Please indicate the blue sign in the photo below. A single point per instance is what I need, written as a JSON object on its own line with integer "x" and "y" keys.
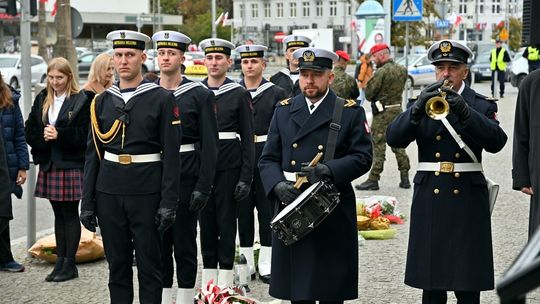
{"x": 442, "y": 23}
{"x": 407, "y": 10}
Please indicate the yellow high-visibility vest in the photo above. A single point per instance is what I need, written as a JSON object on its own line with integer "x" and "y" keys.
{"x": 498, "y": 61}
{"x": 534, "y": 54}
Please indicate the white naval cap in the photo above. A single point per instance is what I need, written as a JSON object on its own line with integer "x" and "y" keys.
{"x": 296, "y": 41}
{"x": 251, "y": 50}
{"x": 449, "y": 50}
{"x": 216, "y": 45}
{"x": 128, "y": 39}
{"x": 315, "y": 58}
{"x": 171, "y": 39}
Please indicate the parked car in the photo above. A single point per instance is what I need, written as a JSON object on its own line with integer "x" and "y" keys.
{"x": 482, "y": 67}
{"x": 237, "y": 61}
{"x": 193, "y": 58}
{"x": 520, "y": 69}
{"x": 81, "y": 51}
{"x": 85, "y": 61}
{"x": 10, "y": 67}
{"x": 421, "y": 71}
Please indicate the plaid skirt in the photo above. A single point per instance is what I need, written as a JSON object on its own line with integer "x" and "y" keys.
{"x": 60, "y": 184}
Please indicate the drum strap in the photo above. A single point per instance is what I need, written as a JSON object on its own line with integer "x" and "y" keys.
{"x": 334, "y": 129}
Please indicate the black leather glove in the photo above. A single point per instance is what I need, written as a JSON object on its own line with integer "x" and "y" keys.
{"x": 165, "y": 218}
{"x": 241, "y": 191}
{"x": 89, "y": 220}
{"x": 458, "y": 105}
{"x": 419, "y": 107}
{"x": 316, "y": 173}
{"x": 198, "y": 201}
{"x": 286, "y": 192}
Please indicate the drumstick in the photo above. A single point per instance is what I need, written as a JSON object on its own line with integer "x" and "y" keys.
{"x": 312, "y": 163}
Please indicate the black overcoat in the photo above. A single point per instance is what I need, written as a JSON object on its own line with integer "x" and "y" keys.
{"x": 324, "y": 264}
{"x": 450, "y": 227}
{"x": 284, "y": 81}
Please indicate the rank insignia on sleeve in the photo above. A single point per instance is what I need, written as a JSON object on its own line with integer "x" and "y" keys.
{"x": 349, "y": 103}
{"x": 284, "y": 102}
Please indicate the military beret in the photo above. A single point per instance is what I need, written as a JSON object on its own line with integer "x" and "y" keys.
{"x": 171, "y": 39}
{"x": 448, "y": 50}
{"x": 343, "y": 55}
{"x": 296, "y": 41}
{"x": 128, "y": 39}
{"x": 216, "y": 45}
{"x": 315, "y": 58}
{"x": 378, "y": 47}
{"x": 251, "y": 50}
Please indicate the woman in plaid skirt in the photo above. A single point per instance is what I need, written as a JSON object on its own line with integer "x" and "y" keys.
{"x": 56, "y": 130}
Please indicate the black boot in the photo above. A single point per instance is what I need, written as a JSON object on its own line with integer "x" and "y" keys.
{"x": 265, "y": 278}
{"x": 368, "y": 185}
{"x": 57, "y": 267}
{"x": 69, "y": 271}
{"x": 405, "y": 184}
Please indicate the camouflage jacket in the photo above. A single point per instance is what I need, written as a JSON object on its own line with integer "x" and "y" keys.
{"x": 344, "y": 84}
{"x": 387, "y": 83}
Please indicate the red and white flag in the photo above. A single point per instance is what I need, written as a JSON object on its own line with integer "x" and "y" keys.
{"x": 219, "y": 19}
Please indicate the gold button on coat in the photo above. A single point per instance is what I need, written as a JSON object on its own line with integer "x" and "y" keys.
{"x": 438, "y": 137}
{"x": 457, "y": 155}
{"x": 437, "y": 173}
{"x": 293, "y": 162}
{"x": 437, "y": 155}
{"x": 320, "y": 147}
{"x": 456, "y": 175}
{"x": 295, "y": 145}
{"x": 436, "y": 191}
{"x": 456, "y": 191}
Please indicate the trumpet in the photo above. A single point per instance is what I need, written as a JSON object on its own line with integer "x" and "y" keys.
{"x": 437, "y": 107}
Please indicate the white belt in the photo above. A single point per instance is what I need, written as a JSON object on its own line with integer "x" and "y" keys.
{"x": 449, "y": 167}
{"x": 187, "y": 148}
{"x": 260, "y": 138}
{"x": 126, "y": 159}
{"x": 227, "y": 135}
{"x": 290, "y": 176}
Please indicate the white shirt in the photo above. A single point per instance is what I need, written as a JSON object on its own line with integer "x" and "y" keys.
{"x": 316, "y": 104}
{"x": 461, "y": 88}
{"x": 55, "y": 107}
{"x": 127, "y": 95}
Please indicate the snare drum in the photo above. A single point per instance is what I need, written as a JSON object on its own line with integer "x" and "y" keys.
{"x": 306, "y": 212}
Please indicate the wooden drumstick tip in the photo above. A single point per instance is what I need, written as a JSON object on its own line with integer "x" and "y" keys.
{"x": 312, "y": 163}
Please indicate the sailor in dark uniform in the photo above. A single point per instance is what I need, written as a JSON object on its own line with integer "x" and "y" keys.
{"x": 235, "y": 164}
{"x": 264, "y": 98}
{"x": 131, "y": 178}
{"x": 323, "y": 265}
{"x": 198, "y": 153}
{"x": 287, "y": 78}
{"x": 450, "y": 246}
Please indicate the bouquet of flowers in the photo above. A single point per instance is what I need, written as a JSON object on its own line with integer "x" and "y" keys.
{"x": 380, "y": 206}
{"x": 213, "y": 294}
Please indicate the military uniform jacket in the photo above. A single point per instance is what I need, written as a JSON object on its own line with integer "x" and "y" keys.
{"x": 450, "y": 231}
{"x": 324, "y": 264}
{"x": 387, "y": 84}
{"x": 264, "y": 101}
{"x": 283, "y": 80}
{"x": 234, "y": 114}
{"x": 152, "y": 126}
{"x": 199, "y": 127}
{"x": 344, "y": 84}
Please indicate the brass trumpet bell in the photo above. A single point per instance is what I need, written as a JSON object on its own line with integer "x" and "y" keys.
{"x": 437, "y": 107}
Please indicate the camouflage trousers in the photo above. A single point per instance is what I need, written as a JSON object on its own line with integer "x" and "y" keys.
{"x": 378, "y": 133}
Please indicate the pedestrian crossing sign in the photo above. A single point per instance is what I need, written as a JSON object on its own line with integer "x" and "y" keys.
{"x": 407, "y": 10}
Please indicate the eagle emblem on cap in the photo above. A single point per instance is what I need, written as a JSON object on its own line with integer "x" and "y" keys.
{"x": 166, "y": 35}
{"x": 445, "y": 47}
{"x": 122, "y": 35}
{"x": 308, "y": 56}
{"x": 212, "y": 42}
{"x": 247, "y": 48}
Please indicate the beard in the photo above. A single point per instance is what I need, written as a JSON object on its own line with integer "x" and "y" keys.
{"x": 314, "y": 92}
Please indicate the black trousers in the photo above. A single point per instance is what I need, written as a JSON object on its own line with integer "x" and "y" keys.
{"x": 246, "y": 219}
{"x": 5, "y": 242}
{"x": 67, "y": 228}
{"x": 181, "y": 241}
{"x": 440, "y": 297}
{"x": 501, "y": 77}
{"x": 127, "y": 222}
{"x": 218, "y": 222}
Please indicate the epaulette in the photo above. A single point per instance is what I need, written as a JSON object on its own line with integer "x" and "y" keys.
{"x": 349, "y": 103}
{"x": 284, "y": 102}
{"x": 492, "y": 99}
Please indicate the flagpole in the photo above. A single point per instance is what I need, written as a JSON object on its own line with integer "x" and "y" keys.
{"x": 214, "y": 33}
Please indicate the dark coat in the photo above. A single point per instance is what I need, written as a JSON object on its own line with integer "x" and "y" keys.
{"x": 5, "y": 193}
{"x": 15, "y": 146}
{"x": 450, "y": 231}
{"x": 526, "y": 150}
{"x": 67, "y": 151}
{"x": 284, "y": 81}
{"x": 324, "y": 264}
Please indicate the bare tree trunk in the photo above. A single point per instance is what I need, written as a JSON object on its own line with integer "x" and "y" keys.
{"x": 64, "y": 43}
{"x": 42, "y": 32}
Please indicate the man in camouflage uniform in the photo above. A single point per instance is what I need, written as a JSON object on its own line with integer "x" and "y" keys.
{"x": 385, "y": 91}
{"x": 344, "y": 84}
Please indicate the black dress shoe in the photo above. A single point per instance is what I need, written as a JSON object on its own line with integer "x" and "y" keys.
{"x": 265, "y": 278}
{"x": 368, "y": 185}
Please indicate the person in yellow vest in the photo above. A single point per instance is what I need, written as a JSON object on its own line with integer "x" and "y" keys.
{"x": 498, "y": 58}
{"x": 532, "y": 53}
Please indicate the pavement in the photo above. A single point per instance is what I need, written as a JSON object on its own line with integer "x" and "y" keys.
{"x": 382, "y": 263}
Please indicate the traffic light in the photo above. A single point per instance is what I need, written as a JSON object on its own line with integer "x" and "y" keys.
{"x": 33, "y": 7}
{"x": 10, "y": 7}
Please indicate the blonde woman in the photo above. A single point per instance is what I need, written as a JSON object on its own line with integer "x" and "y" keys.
{"x": 56, "y": 130}
{"x": 101, "y": 76}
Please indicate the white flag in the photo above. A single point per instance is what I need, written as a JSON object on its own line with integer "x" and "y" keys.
{"x": 225, "y": 19}
{"x": 218, "y": 20}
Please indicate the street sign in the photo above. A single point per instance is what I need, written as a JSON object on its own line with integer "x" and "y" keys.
{"x": 144, "y": 19}
{"x": 407, "y": 10}
{"x": 442, "y": 23}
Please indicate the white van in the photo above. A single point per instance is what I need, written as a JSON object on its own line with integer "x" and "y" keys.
{"x": 520, "y": 68}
